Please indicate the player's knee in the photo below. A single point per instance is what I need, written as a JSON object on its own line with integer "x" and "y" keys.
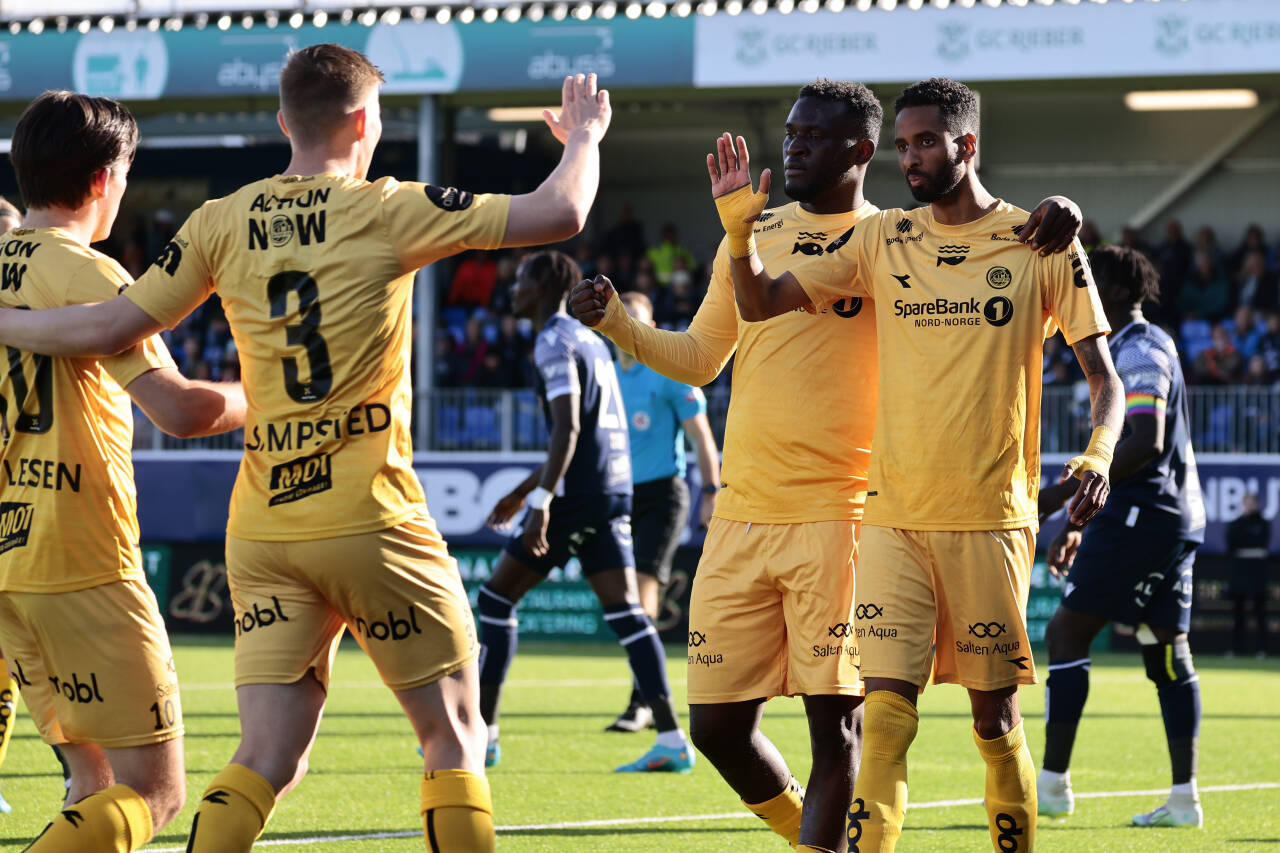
{"x": 716, "y": 734}
{"x": 1169, "y": 663}
{"x": 494, "y": 605}
{"x": 165, "y": 794}
{"x": 1063, "y": 643}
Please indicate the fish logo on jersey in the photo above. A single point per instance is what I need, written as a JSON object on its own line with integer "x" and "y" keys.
{"x": 952, "y": 255}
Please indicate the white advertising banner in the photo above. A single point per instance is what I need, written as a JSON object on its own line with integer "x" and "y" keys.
{"x": 984, "y": 43}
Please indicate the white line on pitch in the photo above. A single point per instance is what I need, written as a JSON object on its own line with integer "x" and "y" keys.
{"x": 638, "y": 821}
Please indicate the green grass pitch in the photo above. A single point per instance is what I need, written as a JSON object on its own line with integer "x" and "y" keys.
{"x": 557, "y": 764}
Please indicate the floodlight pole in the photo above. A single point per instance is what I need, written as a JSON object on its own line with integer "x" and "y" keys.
{"x": 424, "y": 291}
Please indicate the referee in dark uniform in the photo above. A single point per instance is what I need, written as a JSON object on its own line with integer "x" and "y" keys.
{"x": 1249, "y": 543}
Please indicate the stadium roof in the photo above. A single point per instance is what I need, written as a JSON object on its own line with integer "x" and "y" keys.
{"x": 61, "y": 15}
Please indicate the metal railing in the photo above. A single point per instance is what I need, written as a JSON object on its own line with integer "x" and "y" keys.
{"x": 1225, "y": 419}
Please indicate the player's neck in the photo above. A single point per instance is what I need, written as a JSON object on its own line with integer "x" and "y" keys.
{"x": 80, "y": 224}
{"x": 968, "y": 202}
{"x": 325, "y": 162}
{"x": 545, "y": 312}
{"x": 841, "y": 199}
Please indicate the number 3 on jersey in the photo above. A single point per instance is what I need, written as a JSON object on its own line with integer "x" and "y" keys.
{"x": 306, "y": 334}
{"x": 611, "y": 416}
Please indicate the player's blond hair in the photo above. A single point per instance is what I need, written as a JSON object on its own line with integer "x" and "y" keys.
{"x": 320, "y": 86}
{"x": 635, "y": 298}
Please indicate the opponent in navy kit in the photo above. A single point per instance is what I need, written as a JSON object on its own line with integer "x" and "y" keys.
{"x": 579, "y": 504}
{"x": 1133, "y": 563}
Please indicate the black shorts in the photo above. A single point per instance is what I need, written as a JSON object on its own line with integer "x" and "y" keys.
{"x": 594, "y": 528}
{"x": 659, "y": 510}
{"x": 1132, "y": 575}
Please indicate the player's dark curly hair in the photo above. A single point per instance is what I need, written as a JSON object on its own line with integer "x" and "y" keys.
{"x": 1119, "y": 266}
{"x": 954, "y": 100}
{"x": 862, "y": 105}
{"x": 553, "y": 270}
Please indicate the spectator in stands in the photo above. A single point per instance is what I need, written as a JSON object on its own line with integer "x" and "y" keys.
{"x": 1131, "y": 239}
{"x": 1089, "y": 236}
{"x": 586, "y": 258}
{"x": 1257, "y": 374}
{"x": 1221, "y": 363}
{"x": 676, "y": 305}
{"x": 444, "y": 365}
{"x": 1205, "y": 293}
{"x": 1173, "y": 258}
{"x": 10, "y": 216}
{"x": 473, "y": 281}
{"x": 1060, "y": 366}
{"x": 1269, "y": 346}
{"x": 1253, "y": 241}
{"x": 513, "y": 348}
{"x": 1207, "y": 243}
{"x": 663, "y": 256}
{"x": 469, "y": 356}
{"x": 645, "y": 283}
{"x": 1247, "y": 331}
{"x": 626, "y": 238}
{"x": 1255, "y": 284}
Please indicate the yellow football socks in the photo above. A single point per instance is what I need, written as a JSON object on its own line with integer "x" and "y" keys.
{"x": 235, "y": 808}
{"x": 1011, "y": 791}
{"x": 782, "y": 813}
{"x": 457, "y": 812}
{"x": 8, "y": 705}
{"x": 880, "y": 795}
{"x": 116, "y": 819}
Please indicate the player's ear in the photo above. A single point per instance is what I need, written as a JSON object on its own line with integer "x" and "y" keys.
{"x": 360, "y": 121}
{"x": 98, "y": 184}
{"x": 968, "y": 146}
{"x": 863, "y": 152}
{"x": 280, "y": 121}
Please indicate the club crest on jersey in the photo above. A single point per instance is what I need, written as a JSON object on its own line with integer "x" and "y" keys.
{"x": 952, "y": 255}
{"x": 281, "y": 230}
{"x": 449, "y": 198}
{"x": 999, "y": 277}
{"x": 15, "y": 525}
{"x": 300, "y": 478}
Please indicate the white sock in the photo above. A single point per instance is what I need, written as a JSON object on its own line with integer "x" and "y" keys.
{"x": 493, "y": 735}
{"x": 1186, "y": 789}
{"x": 673, "y": 739}
{"x": 1050, "y": 777}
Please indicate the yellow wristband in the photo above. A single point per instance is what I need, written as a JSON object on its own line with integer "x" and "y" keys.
{"x": 1097, "y": 456}
{"x": 739, "y": 211}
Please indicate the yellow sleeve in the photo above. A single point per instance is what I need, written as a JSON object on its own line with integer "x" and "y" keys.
{"x": 179, "y": 280}
{"x": 1070, "y": 295}
{"x": 148, "y": 355}
{"x": 838, "y": 271}
{"x": 426, "y": 223}
{"x": 695, "y": 356}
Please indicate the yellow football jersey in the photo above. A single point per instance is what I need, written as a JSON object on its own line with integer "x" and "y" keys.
{"x": 961, "y": 313}
{"x": 797, "y": 441}
{"x": 68, "y": 507}
{"x": 316, "y": 277}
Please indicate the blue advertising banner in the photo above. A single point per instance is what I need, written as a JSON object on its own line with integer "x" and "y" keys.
{"x": 416, "y": 57}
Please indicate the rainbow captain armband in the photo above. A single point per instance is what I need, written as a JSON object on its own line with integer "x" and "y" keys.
{"x": 1097, "y": 456}
{"x": 739, "y": 209}
{"x": 1138, "y": 403}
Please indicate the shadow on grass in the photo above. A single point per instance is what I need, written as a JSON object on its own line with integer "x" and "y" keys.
{"x": 657, "y": 828}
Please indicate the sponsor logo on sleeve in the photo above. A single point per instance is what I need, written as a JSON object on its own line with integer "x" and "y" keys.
{"x": 449, "y": 198}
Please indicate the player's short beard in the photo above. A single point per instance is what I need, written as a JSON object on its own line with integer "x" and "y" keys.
{"x": 941, "y": 183}
{"x": 807, "y": 191}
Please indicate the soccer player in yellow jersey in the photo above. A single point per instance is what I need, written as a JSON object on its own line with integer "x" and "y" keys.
{"x": 81, "y": 631}
{"x": 772, "y": 605}
{"x": 328, "y": 524}
{"x": 10, "y": 218}
{"x": 951, "y": 508}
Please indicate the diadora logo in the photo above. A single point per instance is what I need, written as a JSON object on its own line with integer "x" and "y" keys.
{"x": 260, "y": 618}
{"x": 857, "y": 814}
{"x": 815, "y": 248}
{"x": 1007, "y": 832}
{"x": 15, "y": 524}
{"x": 1020, "y": 662}
{"x": 696, "y": 639}
{"x": 300, "y": 478}
{"x": 904, "y": 226}
{"x": 986, "y": 630}
{"x": 902, "y": 279}
{"x": 840, "y": 630}
{"x": 952, "y": 255}
{"x": 868, "y": 611}
{"x": 766, "y": 216}
{"x": 394, "y": 628}
{"x": 75, "y": 690}
{"x": 999, "y": 277}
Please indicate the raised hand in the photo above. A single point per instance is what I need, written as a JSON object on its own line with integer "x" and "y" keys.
{"x": 589, "y": 298}
{"x": 581, "y": 108}
{"x": 730, "y": 168}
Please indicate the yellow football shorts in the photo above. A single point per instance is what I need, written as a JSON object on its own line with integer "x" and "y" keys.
{"x": 397, "y": 590}
{"x": 93, "y": 665}
{"x": 771, "y": 612}
{"x": 956, "y": 597}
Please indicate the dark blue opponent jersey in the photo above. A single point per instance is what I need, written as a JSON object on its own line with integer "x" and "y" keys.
{"x": 1167, "y": 489}
{"x": 572, "y": 359}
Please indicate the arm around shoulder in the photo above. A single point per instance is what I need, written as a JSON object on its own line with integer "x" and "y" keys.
{"x": 186, "y": 408}
{"x": 101, "y": 329}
